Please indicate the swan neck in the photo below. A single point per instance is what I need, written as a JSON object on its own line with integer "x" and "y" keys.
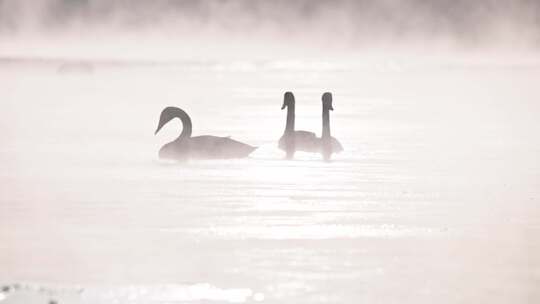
{"x": 186, "y": 124}
{"x": 289, "y": 126}
{"x": 326, "y": 123}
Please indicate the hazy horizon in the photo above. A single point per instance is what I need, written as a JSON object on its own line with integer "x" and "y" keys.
{"x": 257, "y": 28}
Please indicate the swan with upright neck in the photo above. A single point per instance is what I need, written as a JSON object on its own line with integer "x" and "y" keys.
{"x": 297, "y": 140}
{"x": 329, "y": 144}
{"x": 198, "y": 147}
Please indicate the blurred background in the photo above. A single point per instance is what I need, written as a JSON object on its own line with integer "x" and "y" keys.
{"x": 248, "y": 27}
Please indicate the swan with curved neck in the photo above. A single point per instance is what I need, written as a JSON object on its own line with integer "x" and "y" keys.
{"x": 199, "y": 147}
{"x": 297, "y": 140}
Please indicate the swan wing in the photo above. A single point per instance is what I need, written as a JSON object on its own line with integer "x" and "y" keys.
{"x": 303, "y": 141}
{"x": 300, "y": 134}
{"x": 216, "y": 147}
{"x": 306, "y": 141}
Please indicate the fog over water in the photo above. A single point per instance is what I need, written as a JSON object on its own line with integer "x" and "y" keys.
{"x": 249, "y": 28}
{"x": 434, "y": 198}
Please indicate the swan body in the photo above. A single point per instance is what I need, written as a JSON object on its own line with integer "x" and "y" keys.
{"x": 306, "y": 141}
{"x": 303, "y": 141}
{"x": 298, "y": 140}
{"x": 198, "y": 147}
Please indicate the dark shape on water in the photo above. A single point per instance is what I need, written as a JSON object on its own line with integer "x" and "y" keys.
{"x": 329, "y": 144}
{"x": 293, "y": 140}
{"x": 198, "y": 147}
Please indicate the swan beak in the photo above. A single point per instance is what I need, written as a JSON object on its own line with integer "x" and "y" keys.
{"x": 283, "y": 106}
{"x": 158, "y": 128}
{"x": 331, "y": 108}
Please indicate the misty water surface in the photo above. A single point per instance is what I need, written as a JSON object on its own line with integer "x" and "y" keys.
{"x": 435, "y": 195}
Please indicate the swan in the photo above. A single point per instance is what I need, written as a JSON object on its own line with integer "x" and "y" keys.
{"x": 329, "y": 144}
{"x": 293, "y": 140}
{"x": 198, "y": 147}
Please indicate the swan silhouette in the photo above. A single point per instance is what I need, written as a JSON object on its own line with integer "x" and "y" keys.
{"x": 198, "y": 147}
{"x": 292, "y": 140}
{"x": 329, "y": 144}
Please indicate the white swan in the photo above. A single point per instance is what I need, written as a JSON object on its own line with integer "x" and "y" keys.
{"x": 198, "y": 147}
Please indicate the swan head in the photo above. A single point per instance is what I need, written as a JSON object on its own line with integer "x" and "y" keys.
{"x": 327, "y": 101}
{"x": 166, "y": 115}
{"x": 288, "y": 100}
